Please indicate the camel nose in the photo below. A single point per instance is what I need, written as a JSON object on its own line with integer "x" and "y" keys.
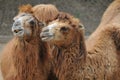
{"x": 45, "y": 29}
{"x": 46, "y": 33}
{"x": 17, "y": 27}
{"x": 17, "y": 30}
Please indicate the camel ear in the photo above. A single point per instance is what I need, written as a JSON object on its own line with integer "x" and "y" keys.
{"x": 81, "y": 26}
{"x": 81, "y": 40}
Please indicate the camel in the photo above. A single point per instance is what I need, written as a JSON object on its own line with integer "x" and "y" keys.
{"x": 111, "y": 15}
{"x": 71, "y": 59}
{"x": 42, "y": 12}
{"x": 26, "y": 57}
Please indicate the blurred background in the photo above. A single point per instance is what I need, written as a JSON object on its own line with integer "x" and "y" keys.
{"x": 88, "y": 11}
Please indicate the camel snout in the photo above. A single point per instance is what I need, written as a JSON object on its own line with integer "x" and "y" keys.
{"x": 45, "y": 29}
{"x": 16, "y": 29}
{"x": 46, "y": 35}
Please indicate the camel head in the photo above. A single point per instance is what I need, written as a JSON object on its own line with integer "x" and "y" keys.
{"x": 42, "y": 12}
{"x": 26, "y": 26}
{"x": 63, "y": 31}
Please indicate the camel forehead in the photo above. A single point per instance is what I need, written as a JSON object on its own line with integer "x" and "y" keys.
{"x": 58, "y": 23}
{"x": 24, "y": 14}
{"x": 21, "y": 15}
{"x": 53, "y": 25}
{"x": 24, "y": 18}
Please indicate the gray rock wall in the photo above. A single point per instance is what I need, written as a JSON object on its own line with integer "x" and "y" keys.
{"x": 88, "y": 11}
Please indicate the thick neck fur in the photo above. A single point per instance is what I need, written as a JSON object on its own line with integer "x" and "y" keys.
{"x": 63, "y": 57}
{"x": 73, "y": 63}
{"x": 30, "y": 59}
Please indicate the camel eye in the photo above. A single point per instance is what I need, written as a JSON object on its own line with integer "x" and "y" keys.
{"x": 64, "y": 29}
{"x": 32, "y": 22}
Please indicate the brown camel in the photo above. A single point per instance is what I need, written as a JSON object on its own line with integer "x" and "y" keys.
{"x": 71, "y": 59}
{"x": 26, "y": 57}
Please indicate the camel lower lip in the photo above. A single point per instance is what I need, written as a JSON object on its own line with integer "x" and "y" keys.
{"x": 19, "y": 34}
{"x": 46, "y": 38}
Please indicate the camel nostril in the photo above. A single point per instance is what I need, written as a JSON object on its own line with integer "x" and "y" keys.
{"x": 17, "y": 30}
{"x": 46, "y": 30}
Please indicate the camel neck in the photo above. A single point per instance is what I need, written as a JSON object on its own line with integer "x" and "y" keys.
{"x": 64, "y": 56}
{"x": 28, "y": 58}
{"x": 33, "y": 41}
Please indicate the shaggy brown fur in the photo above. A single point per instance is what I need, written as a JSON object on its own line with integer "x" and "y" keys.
{"x": 27, "y": 58}
{"x": 71, "y": 59}
{"x": 43, "y": 12}
{"x": 25, "y": 61}
{"x": 25, "y": 8}
{"x": 111, "y": 15}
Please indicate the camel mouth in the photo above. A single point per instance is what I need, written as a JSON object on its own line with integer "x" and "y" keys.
{"x": 46, "y": 36}
{"x": 18, "y": 32}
